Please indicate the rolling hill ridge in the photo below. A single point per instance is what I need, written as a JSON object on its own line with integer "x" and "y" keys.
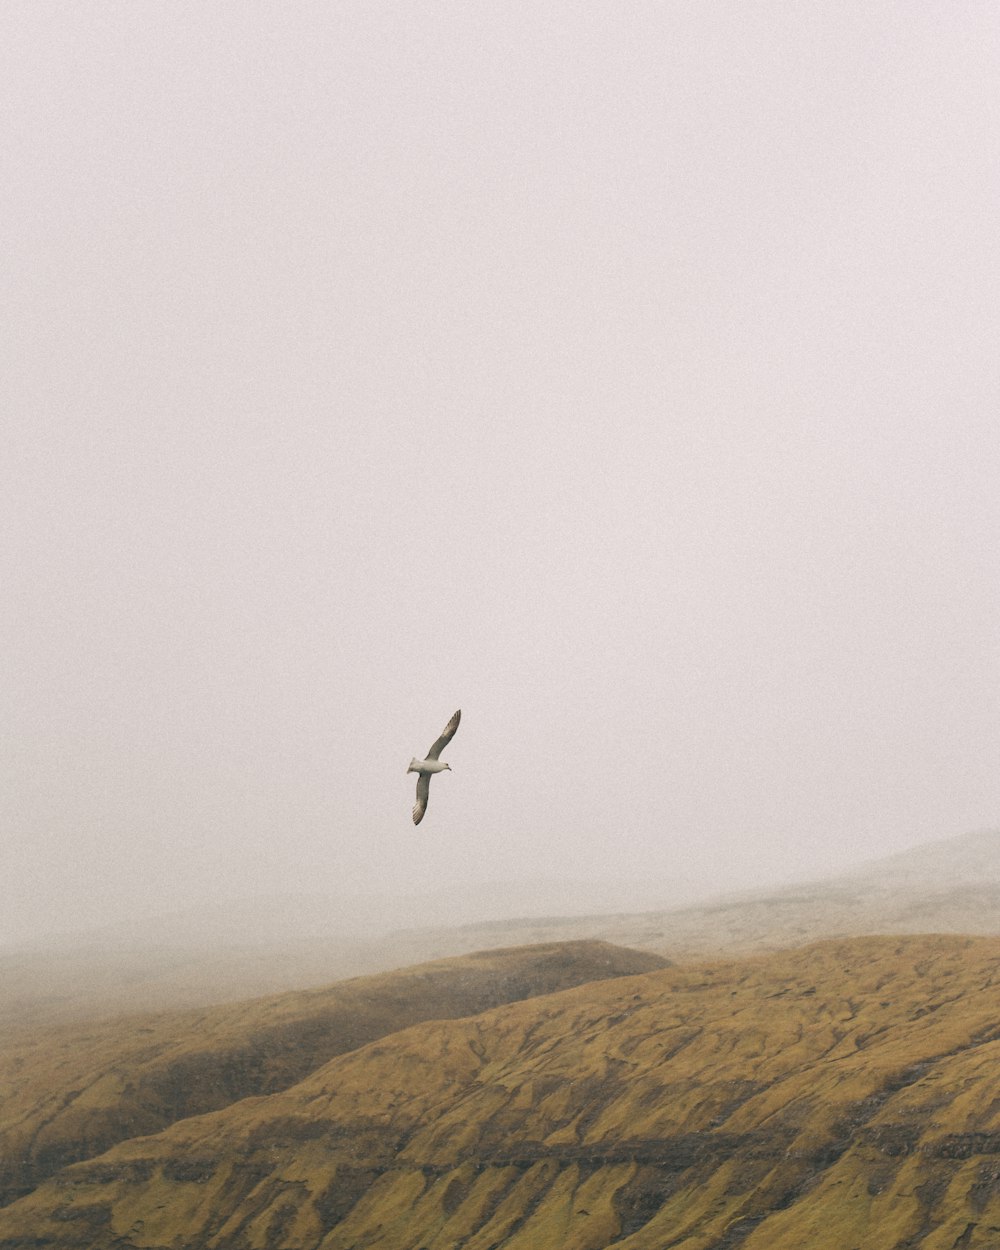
{"x": 836, "y": 1097}
{"x": 70, "y": 1094}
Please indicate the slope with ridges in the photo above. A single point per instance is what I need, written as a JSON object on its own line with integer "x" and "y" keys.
{"x": 71, "y": 1094}
{"x": 842, "y": 1096}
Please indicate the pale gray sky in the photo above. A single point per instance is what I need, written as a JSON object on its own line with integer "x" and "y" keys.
{"x": 623, "y": 374}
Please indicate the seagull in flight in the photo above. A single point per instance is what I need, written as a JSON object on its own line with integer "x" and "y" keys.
{"x": 432, "y": 764}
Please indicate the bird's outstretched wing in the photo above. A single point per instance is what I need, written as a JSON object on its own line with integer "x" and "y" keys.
{"x": 423, "y": 790}
{"x": 446, "y": 737}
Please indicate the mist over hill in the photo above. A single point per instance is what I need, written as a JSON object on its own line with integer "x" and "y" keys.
{"x": 237, "y": 948}
{"x": 946, "y": 886}
{"x": 352, "y": 916}
{"x": 260, "y": 946}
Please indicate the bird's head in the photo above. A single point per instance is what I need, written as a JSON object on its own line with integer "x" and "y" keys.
{"x": 448, "y": 767}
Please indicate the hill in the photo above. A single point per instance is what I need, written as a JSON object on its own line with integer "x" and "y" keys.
{"x": 71, "y": 1093}
{"x": 844, "y": 1095}
{"x": 950, "y": 886}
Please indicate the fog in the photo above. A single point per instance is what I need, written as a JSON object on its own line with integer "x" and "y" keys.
{"x": 625, "y": 376}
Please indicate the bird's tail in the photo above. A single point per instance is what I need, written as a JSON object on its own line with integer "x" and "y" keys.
{"x": 413, "y": 766}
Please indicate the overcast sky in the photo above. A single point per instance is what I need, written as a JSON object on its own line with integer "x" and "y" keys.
{"x": 623, "y": 374}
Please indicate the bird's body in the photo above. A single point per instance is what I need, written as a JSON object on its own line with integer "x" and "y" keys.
{"x": 426, "y": 768}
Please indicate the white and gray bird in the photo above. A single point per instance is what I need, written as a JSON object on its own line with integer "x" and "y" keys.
{"x": 432, "y": 764}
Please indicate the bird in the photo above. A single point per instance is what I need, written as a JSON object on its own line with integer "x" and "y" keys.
{"x": 432, "y": 764}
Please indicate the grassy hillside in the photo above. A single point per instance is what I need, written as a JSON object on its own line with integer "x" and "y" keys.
{"x": 842, "y": 1096}
{"x": 72, "y": 1093}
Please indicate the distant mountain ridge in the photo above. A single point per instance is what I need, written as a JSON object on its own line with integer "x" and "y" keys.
{"x": 968, "y": 858}
{"x": 948, "y": 886}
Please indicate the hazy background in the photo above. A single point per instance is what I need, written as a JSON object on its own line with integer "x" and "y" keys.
{"x": 625, "y": 375}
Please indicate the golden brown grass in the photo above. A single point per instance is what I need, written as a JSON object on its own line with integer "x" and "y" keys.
{"x": 843, "y": 1096}
{"x": 71, "y": 1093}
